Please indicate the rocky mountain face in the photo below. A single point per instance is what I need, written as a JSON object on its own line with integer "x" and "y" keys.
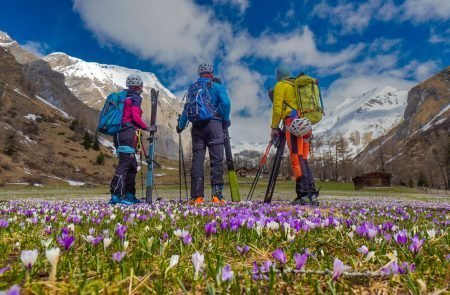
{"x": 361, "y": 119}
{"x": 50, "y": 85}
{"x": 416, "y": 150}
{"x": 21, "y": 55}
{"x": 38, "y": 141}
{"x": 91, "y": 83}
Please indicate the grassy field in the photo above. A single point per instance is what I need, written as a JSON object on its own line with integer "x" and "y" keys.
{"x": 284, "y": 191}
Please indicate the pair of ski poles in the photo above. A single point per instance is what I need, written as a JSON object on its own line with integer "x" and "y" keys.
{"x": 181, "y": 166}
{"x": 260, "y": 170}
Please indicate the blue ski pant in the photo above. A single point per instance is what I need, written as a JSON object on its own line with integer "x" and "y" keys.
{"x": 209, "y": 135}
{"x": 124, "y": 179}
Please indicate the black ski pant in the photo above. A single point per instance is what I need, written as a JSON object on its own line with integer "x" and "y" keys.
{"x": 124, "y": 179}
{"x": 209, "y": 135}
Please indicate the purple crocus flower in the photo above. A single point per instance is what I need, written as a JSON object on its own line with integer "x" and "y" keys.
{"x": 164, "y": 237}
{"x": 210, "y": 228}
{"x": 363, "y": 250}
{"x": 300, "y": 260}
{"x": 267, "y": 265}
{"x": 118, "y": 256}
{"x": 402, "y": 237}
{"x": 416, "y": 245}
{"x": 227, "y": 273}
{"x": 243, "y": 250}
{"x": 14, "y": 290}
{"x": 66, "y": 241}
{"x": 3, "y": 223}
{"x": 121, "y": 230}
{"x": 187, "y": 239}
{"x": 4, "y": 269}
{"x": 279, "y": 255}
{"x": 338, "y": 268}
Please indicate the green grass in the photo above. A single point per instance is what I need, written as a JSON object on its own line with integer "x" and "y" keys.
{"x": 285, "y": 190}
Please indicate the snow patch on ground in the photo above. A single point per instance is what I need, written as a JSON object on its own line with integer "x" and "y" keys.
{"x": 66, "y": 115}
{"x": 435, "y": 120}
{"x": 75, "y": 183}
{"x": 107, "y": 143}
{"x": 32, "y": 117}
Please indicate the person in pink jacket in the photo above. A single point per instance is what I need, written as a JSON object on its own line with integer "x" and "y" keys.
{"x": 123, "y": 184}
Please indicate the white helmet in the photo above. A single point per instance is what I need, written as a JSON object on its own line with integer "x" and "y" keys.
{"x": 205, "y": 68}
{"x": 134, "y": 80}
{"x": 300, "y": 127}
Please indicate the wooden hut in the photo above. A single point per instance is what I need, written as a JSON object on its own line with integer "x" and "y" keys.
{"x": 372, "y": 179}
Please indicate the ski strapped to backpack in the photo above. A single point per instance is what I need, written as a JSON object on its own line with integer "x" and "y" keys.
{"x": 309, "y": 98}
{"x": 110, "y": 121}
{"x": 232, "y": 178}
{"x": 151, "y": 148}
{"x": 199, "y": 107}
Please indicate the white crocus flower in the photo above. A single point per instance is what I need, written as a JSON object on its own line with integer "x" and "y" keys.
{"x": 71, "y": 227}
{"x": 173, "y": 262}
{"x": 53, "y": 257}
{"x": 29, "y": 257}
{"x": 125, "y": 245}
{"x": 431, "y": 233}
{"x": 273, "y": 225}
{"x": 197, "y": 260}
{"x": 106, "y": 243}
{"x": 370, "y": 256}
{"x": 46, "y": 243}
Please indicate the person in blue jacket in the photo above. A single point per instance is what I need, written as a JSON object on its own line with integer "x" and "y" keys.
{"x": 209, "y": 135}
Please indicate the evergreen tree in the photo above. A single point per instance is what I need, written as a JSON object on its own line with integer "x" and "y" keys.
{"x": 87, "y": 140}
{"x": 96, "y": 146}
{"x": 100, "y": 159}
{"x": 73, "y": 125}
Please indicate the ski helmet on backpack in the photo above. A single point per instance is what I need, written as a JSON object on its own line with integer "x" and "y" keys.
{"x": 205, "y": 68}
{"x": 134, "y": 80}
{"x": 300, "y": 127}
{"x": 282, "y": 72}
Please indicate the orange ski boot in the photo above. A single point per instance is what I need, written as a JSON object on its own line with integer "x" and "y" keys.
{"x": 196, "y": 201}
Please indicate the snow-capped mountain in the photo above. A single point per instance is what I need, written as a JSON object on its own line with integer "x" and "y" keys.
{"x": 91, "y": 83}
{"x": 21, "y": 55}
{"x": 364, "y": 118}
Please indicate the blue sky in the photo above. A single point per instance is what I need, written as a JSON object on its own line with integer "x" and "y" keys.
{"x": 351, "y": 47}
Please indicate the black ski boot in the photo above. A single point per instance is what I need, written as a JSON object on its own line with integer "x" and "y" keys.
{"x": 302, "y": 196}
{"x": 312, "y": 196}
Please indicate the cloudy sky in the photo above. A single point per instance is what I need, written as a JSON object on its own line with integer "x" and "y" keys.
{"x": 350, "y": 46}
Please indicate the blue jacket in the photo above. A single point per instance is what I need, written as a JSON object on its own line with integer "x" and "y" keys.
{"x": 219, "y": 99}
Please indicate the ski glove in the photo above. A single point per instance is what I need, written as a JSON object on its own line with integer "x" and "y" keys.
{"x": 226, "y": 124}
{"x": 179, "y": 130}
{"x": 153, "y": 128}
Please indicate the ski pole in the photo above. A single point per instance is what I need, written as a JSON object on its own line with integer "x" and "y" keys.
{"x": 179, "y": 161}
{"x": 260, "y": 168}
{"x": 275, "y": 168}
{"x": 184, "y": 171}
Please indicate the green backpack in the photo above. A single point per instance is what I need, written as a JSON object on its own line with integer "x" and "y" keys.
{"x": 309, "y": 99}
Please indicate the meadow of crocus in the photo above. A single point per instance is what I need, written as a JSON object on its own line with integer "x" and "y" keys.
{"x": 353, "y": 246}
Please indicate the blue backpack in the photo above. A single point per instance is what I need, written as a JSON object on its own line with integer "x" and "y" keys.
{"x": 111, "y": 115}
{"x": 199, "y": 107}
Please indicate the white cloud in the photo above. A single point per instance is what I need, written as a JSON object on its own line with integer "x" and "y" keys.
{"x": 37, "y": 48}
{"x": 240, "y": 5}
{"x": 420, "y": 11}
{"x": 442, "y": 37}
{"x": 176, "y": 33}
{"x": 299, "y": 48}
{"x": 353, "y": 17}
{"x": 179, "y": 34}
